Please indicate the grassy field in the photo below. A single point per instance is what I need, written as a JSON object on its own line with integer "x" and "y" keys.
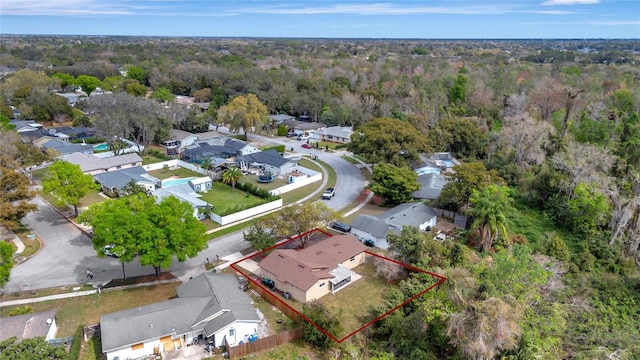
{"x": 225, "y": 200}
{"x": 86, "y": 310}
{"x": 369, "y": 291}
{"x": 179, "y": 172}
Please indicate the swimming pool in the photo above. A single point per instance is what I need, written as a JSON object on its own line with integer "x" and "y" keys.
{"x": 175, "y": 182}
{"x": 101, "y": 147}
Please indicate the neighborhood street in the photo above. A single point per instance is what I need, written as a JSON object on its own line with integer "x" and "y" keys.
{"x": 67, "y": 252}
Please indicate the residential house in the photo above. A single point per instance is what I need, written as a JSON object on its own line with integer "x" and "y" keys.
{"x": 24, "y": 126}
{"x": 338, "y": 134}
{"x": 220, "y": 150}
{"x": 90, "y": 164}
{"x": 310, "y": 273}
{"x": 431, "y": 185}
{"x": 209, "y": 306}
{"x": 178, "y": 140}
{"x": 185, "y": 192}
{"x": 28, "y": 326}
{"x": 71, "y": 132}
{"x": 303, "y": 126}
{"x": 113, "y": 182}
{"x": 367, "y": 227}
{"x": 64, "y": 148}
{"x": 267, "y": 161}
{"x": 275, "y": 120}
{"x": 73, "y": 97}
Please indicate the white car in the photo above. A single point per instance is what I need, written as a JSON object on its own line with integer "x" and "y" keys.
{"x": 303, "y": 137}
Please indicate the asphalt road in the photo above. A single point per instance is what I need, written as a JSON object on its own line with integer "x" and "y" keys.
{"x": 67, "y": 252}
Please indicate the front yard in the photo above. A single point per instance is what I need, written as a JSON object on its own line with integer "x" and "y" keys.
{"x": 179, "y": 172}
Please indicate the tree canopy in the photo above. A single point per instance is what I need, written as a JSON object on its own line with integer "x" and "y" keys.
{"x": 466, "y": 178}
{"x": 34, "y": 348}
{"x": 243, "y": 112}
{"x": 395, "y": 185}
{"x": 298, "y": 219}
{"x": 68, "y": 183}
{"x": 140, "y": 226}
{"x": 389, "y": 140}
{"x": 489, "y": 208}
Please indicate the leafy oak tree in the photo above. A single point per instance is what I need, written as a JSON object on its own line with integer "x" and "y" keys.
{"x": 258, "y": 236}
{"x": 395, "y": 185}
{"x": 14, "y": 197}
{"x": 140, "y": 225}
{"x": 466, "y": 178}
{"x": 6, "y": 262}
{"x": 389, "y": 140}
{"x": 243, "y": 112}
{"x": 298, "y": 219}
{"x": 322, "y": 318}
{"x": 68, "y": 183}
{"x": 27, "y": 349}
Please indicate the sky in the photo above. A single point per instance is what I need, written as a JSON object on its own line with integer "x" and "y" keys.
{"x": 414, "y": 19}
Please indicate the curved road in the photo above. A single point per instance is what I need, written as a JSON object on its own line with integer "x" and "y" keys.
{"x": 67, "y": 252}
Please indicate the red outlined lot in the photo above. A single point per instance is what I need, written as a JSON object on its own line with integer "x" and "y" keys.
{"x": 437, "y": 278}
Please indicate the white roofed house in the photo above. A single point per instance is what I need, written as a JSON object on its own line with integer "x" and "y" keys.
{"x": 209, "y": 306}
{"x": 337, "y": 134}
{"x": 178, "y": 140}
{"x": 92, "y": 165}
{"x": 113, "y": 182}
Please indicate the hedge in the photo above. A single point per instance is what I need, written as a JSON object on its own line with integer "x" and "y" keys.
{"x": 74, "y": 352}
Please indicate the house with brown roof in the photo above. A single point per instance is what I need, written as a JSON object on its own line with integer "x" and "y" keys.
{"x": 313, "y": 272}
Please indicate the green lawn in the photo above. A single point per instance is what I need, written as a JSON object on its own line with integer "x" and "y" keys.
{"x": 31, "y": 246}
{"x": 179, "y": 172}
{"x": 227, "y": 201}
{"x": 86, "y": 310}
{"x": 253, "y": 179}
{"x": 90, "y": 199}
{"x": 352, "y": 303}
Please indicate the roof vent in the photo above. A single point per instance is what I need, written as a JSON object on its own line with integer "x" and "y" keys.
{"x": 49, "y": 322}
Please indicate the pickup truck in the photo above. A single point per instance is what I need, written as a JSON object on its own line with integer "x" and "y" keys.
{"x": 328, "y": 194}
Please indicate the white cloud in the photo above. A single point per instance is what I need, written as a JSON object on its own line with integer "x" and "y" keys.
{"x": 66, "y": 7}
{"x": 615, "y": 23}
{"x": 569, "y": 2}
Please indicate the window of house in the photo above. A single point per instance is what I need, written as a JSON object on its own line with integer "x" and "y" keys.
{"x": 137, "y": 346}
{"x": 118, "y": 167}
{"x": 232, "y": 332}
{"x": 321, "y": 284}
{"x": 353, "y": 258}
{"x": 133, "y": 164}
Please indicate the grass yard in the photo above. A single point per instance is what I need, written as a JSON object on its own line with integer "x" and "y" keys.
{"x": 31, "y": 246}
{"x": 179, "y": 172}
{"x": 352, "y": 303}
{"x": 253, "y": 179}
{"x": 226, "y": 201}
{"x": 90, "y": 199}
{"x": 86, "y": 310}
{"x": 40, "y": 173}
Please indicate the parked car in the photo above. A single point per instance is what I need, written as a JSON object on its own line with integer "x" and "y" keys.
{"x": 108, "y": 250}
{"x": 292, "y": 134}
{"x": 340, "y": 226}
{"x": 303, "y": 137}
{"x": 268, "y": 283}
{"x": 328, "y": 194}
{"x": 369, "y": 243}
{"x": 307, "y": 146}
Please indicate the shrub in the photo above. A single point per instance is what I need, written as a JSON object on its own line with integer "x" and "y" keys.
{"x": 159, "y": 154}
{"x": 278, "y": 148}
{"x": 21, "y": 310}
{"x": 282, "y": 130}
{"x": 74, "y": 352}
{"x": 240, "y": 137}
{"x": 254, "y": 190}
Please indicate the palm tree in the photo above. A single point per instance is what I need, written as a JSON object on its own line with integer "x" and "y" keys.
{"x": 489, "y": 207}
{"x": 206, "y": 165}
{"x": 231, "y": 176}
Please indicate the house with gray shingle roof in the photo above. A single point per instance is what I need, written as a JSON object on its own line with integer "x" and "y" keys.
{"x": 267, "y": 161}
{"x": 64, "y": 148}
{"x": 92, "y": 165}
{"x": 113, "y": 182}
{"x": 367, "y": 227}
{"x": 431, "y": 185}
{"x": 209, "y": 306}
{"x": 338, "y": 134}
{"x": 28, "y": 326}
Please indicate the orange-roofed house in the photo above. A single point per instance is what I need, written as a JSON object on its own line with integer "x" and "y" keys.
{"x": 322, "y": 268}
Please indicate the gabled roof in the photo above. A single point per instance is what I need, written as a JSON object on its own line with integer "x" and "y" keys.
{"x": 179, "y": 135}
{"x": 64, "y": 147}
{"x": 430, "y": 186}
{"x": 303, "y": 125}
{"x": 281, "y": 117}
{"x": 183, "y": 192}
{"x": 215, "y": 147}
{"x": 26, "y": 326}
{"x": 337, "y": 131}
{"x": 208, "y": 301}
{"x": 372, "y": 225}
{"x": 90, "y": 163}
{"x": 201, "y": 180}
{"x": 269, "y": 157}
{"x": 303, "y": 268}
{"x": 409, "y": 214}
{"x": 119, "y": 178}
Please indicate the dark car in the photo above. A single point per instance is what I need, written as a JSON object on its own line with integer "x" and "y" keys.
{"x": 307, "y": 146}
{"x": 292, "y": 134}
{"x": 340, "y": 226}
{"x": 369, "y": 243}
{"x": 268, "y": 283}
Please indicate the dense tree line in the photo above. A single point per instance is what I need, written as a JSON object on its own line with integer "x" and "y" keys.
{"x": 548, "y": 134}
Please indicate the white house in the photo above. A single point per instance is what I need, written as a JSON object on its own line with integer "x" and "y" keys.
{"x": 92, "y": 165}
{"x": 337, "y": 134}
{"x": 184, "y": 192}
{"x": 209, "y": 306}
{"x": 178, "y": 140}
{"x": 367, "y": 227}
{"x": 267, "y": 161}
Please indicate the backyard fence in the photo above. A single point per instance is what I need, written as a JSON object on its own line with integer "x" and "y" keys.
{"x": 272, "y": 299}
{"x": 459, "y": 220}
{"x": 266, "y": 343}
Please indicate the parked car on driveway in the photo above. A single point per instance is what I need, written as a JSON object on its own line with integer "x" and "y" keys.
{"x": 369, "y": 243}
{"x": 307, "y": 146}
{"x": 303, "y": 137}
{"x": 328, "y": 194}
{"x": 340, "y": 226}
{"x": 108, "y": 250}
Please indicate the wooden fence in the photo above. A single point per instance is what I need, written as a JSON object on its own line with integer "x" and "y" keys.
{"x": 266, "y": 343}
{"x": 272, "y": 299}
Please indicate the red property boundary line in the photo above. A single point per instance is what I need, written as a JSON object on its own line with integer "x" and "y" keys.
{"x": 441, "y": 280}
